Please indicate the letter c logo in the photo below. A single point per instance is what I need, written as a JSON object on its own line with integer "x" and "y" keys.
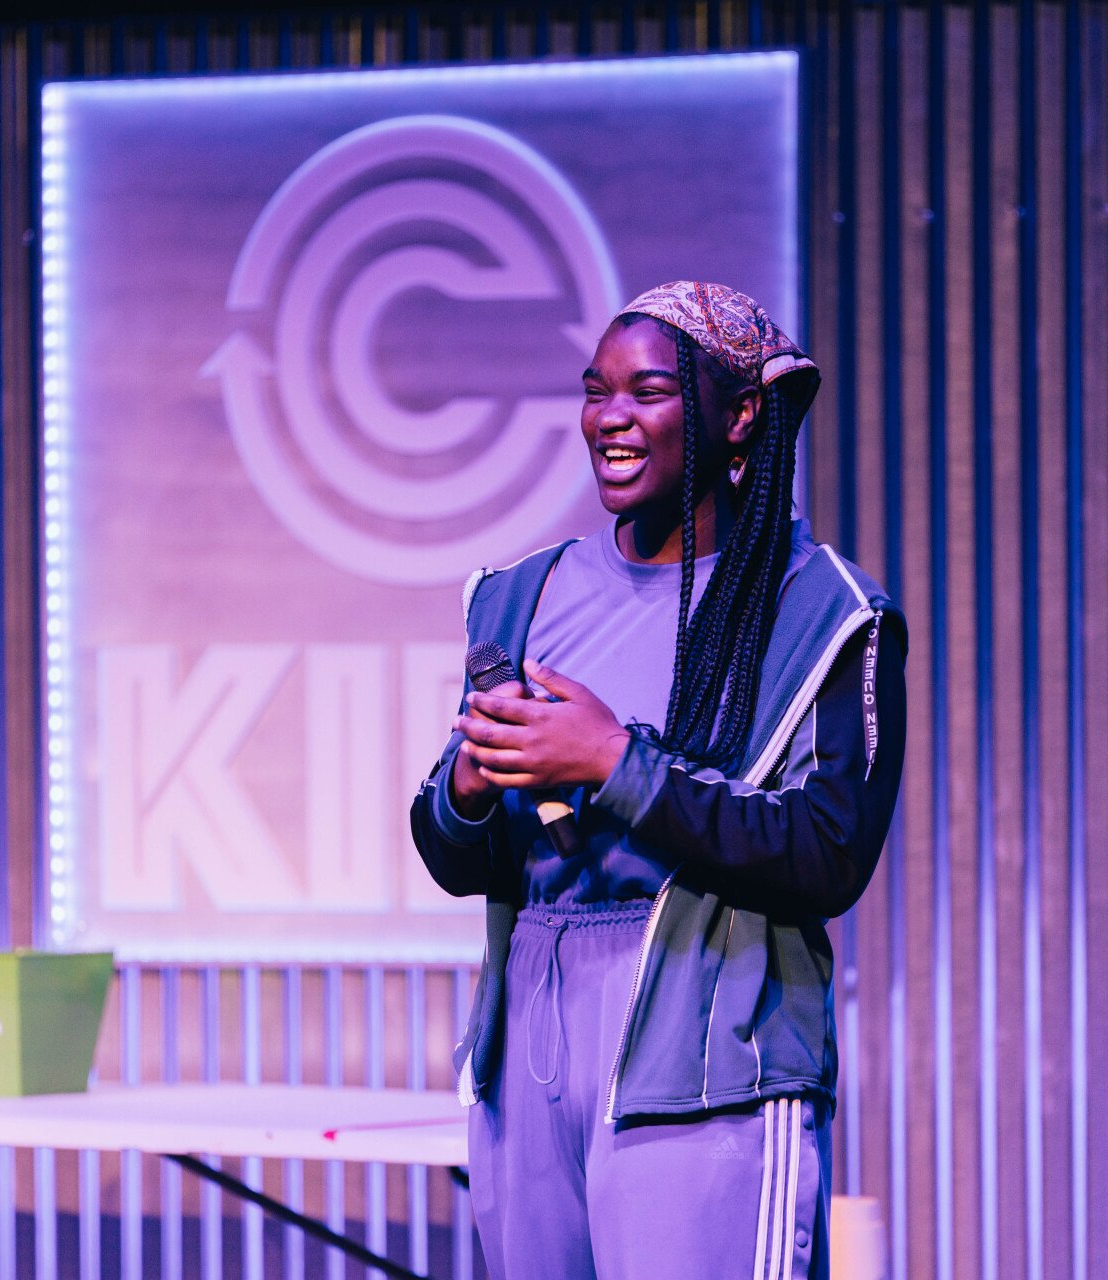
{"x": 387, "y": 491}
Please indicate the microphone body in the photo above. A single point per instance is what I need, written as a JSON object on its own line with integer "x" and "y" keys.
{"x": 488, "y": 667}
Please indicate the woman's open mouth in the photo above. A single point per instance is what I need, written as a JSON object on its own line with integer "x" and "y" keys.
{"x": 619, "y": 464}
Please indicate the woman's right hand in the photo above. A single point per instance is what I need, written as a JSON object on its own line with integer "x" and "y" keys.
{"x": 473, "y": 796}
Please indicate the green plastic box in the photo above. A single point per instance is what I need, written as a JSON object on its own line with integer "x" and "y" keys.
{"x": 50, "y": 1009}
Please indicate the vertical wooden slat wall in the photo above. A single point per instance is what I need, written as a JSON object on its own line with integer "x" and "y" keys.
{"x": 957, "y": 242}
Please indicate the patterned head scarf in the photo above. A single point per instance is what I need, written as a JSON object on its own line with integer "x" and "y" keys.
{"x": 737, "y": 332}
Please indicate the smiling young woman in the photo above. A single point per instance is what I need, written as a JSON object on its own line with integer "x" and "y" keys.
{"x": 633, "y": 420}
{"x": 651, "y": 1054}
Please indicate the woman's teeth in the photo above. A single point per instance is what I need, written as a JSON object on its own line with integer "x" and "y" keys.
{"x": 622, "y": 459}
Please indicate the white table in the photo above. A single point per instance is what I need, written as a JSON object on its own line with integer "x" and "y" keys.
{"x": 307, "y": 1122}
{"x": 303, "y": 1122}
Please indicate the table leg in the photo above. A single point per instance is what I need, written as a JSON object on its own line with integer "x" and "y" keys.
{"x": 352, "y": 1248}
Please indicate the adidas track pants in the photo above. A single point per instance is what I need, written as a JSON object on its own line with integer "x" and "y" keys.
{"x": 561, "y": 1195}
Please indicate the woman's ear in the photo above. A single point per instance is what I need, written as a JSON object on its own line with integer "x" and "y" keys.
{"x": 743, "y": 417}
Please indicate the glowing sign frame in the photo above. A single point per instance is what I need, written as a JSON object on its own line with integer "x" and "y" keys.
{"x": 60, "y": 565}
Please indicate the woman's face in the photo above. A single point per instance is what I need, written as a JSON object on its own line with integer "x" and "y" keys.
{"x": 633, "y": 420}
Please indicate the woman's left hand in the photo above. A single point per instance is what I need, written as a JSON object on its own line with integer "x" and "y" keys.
{"x": 531, "y": 742}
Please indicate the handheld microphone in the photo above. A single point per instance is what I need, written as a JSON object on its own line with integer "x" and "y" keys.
{"x": 488, "y": 666}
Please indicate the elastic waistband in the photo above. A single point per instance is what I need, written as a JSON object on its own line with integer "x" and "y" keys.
{"x": 607, "y": 917}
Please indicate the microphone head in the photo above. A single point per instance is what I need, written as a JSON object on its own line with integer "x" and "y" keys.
{"x": 487, "y": 666}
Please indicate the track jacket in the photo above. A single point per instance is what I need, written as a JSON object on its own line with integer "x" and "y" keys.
{"x": 732, "y": 1000}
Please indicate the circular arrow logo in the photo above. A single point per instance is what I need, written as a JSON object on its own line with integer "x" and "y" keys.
{"x": 421, "y": 211}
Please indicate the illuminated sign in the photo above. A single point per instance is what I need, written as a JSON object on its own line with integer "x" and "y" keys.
{"x": 312, "y": 349}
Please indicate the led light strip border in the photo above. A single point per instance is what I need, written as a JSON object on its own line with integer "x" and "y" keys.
{"x": 58, "y": 658}
{"x": 670, "y": 66}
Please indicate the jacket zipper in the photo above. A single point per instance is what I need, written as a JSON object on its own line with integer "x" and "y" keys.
{"x": 647, "y": 937}
{"x": 760, "y": 770}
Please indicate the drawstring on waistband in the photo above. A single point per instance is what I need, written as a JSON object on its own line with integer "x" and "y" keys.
{"x": 552, "y": 975}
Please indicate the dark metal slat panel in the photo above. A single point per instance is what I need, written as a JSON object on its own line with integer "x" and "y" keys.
{"x": 983, "y": 658}
{"x": 864, "y": 1058}
{"x": 846, "y": 371}
{"x": 1029, "y": 671}
{"x": 961, "y": 712}
{"x": 896, "y": 1200}
{"x": 865, "y": 1017}
{"x": 1094, "y": 460}
{"x": 1075, "y": 611}
{"x": 1008, "y": 704}
{"x": 1055, "y": 897}
{"x": 940, "y": 674}
{"x": 847, "y": 295}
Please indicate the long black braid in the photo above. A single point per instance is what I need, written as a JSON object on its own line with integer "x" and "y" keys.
{"x": 720, "y": 648}
{"x": 686, "y": 370}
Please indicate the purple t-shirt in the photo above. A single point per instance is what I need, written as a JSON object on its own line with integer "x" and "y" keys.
{"x": 611, "y": 625}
